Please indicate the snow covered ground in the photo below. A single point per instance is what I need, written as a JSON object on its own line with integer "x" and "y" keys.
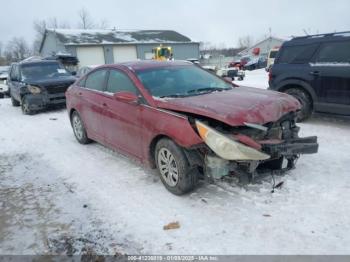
{"x": 257, "y": 78}
{"x": 57, "y": 196}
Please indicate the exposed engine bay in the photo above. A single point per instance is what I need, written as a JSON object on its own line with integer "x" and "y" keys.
{"x": 252, "y": 150}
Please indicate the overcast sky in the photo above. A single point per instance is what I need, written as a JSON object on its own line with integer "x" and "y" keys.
{"x": 216, "y": 21}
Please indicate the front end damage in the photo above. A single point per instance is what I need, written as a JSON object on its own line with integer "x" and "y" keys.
{"x": 253, "y": 150}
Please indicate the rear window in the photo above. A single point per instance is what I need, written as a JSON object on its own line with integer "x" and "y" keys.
{"x": 337, "y": 52}
{"x": 96, "y": 80}
{"x": 273, "y": 54}
{"x": 297, "y": 54}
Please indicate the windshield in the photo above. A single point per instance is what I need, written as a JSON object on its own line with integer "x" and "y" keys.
{"x": 164, "y": 52}
{"x": 43, "y": 70}
{"x": 180, "y": 81}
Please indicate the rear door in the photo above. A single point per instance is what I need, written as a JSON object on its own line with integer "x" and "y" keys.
{"x": 332, "y": 75}
{"x": 121, "y": 120}
{"x": 91, "y": 96}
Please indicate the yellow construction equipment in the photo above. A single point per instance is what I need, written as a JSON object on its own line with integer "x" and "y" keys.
{"x": 162, "y": 53}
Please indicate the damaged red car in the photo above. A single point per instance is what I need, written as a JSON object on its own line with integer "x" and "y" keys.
{"x": 187, "y": 122}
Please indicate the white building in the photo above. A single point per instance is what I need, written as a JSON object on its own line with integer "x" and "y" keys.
{"x": 265, "y": 46}
{"x": 93, "y": 47}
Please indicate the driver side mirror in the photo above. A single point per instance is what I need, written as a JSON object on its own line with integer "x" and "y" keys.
{"x": 14, "y": 78}
{"x": 228, "y": 79}
{"x": 126, "y": 97}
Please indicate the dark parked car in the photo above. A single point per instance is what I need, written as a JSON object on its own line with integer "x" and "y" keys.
{"x": 256, "y": 63}
{"x": 186, "y": 121}
{"x": 38, "y": 84}
{"x": 315, "y": 70}
{"x": 69, "y": 61}
{"x": 3, "y": 80}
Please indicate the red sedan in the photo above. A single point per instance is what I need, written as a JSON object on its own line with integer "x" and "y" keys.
{"x": 186, "y": 122}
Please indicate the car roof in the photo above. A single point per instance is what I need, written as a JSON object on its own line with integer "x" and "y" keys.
{"x": 149, "y": 64}
{"x": 320, "y": 38}
{"x": 35, "y": 62}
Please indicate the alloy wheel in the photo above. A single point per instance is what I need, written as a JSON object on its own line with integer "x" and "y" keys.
{"x": 168, "y": 167}
{"x": 78, "y": 127}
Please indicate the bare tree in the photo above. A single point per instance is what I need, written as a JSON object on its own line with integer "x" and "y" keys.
{"x": 17, "y": 49}
{"x": 245, "y": 42}
{"x": 64, "y": 25}
{"x": 54, "y": 23}
{"x": 104, "y": 24}
{"x": 39, "y": 28}
{"x": 85, "y": 20}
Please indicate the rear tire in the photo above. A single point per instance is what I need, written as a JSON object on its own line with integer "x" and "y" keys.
{"x": 305, "y": 101}
{"x": 79, "y": 128}
{"x": 14, "y": 102}
{"x": 174, "y": 169}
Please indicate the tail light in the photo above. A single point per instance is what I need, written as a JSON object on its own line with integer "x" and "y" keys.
{"x": 270, "y": 74}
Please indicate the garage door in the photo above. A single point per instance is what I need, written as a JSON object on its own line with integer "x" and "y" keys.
{"x": 124, "y": 53}
{"x": 90, "y": 56}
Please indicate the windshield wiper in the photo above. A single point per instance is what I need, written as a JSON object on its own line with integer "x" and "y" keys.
{"x": 174, "y": 95}
{"x": 207, "y": 89}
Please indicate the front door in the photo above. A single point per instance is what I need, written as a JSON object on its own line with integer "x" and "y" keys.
{"x": 121, "y": 120}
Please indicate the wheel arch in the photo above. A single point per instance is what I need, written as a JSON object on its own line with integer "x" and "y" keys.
{"x": 71, "y": 111}
{"x": 299, "y": 84}
{"x": 152, "y": 148}
{"x": 191, "y": 154}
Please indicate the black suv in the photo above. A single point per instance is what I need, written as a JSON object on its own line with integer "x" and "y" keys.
{"x": 37, "y": 84}
{"x": 316, "y": 70}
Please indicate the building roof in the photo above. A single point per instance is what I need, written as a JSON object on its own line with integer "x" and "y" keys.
{"x": 101, "y": 36}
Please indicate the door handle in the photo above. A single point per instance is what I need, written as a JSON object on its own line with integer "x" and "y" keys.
{"x": 315, "y": 73}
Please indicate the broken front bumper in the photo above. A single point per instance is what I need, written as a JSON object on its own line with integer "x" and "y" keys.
{"x": 295, "y": 146}
{"x": 283, "y": 156}
{"x": 43, "y": 100}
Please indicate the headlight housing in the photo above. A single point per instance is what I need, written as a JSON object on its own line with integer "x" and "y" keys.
{"x": 34, "y": 89}
{"x": 226, "y": 147}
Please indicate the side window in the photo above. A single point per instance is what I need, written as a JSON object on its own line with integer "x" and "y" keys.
{"x": 96, "y": 80}
{"x": 81, "y": 83}
{"x": 119, "y": 81}
{"x": 14, "y": 73}
{"x": 297, "y": 54}
{"x": 336, "y": 52}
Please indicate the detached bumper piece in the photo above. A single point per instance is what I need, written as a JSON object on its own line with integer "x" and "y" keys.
{"x": 295, "y": 146}
{"x": 283, "y": 158}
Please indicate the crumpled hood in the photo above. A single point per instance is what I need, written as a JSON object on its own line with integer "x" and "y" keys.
{"x": 236, "y": 106}
{"x": 51, "y": 81}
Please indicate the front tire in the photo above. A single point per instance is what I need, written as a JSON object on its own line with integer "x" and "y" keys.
{"x": 26, "y": 107}
{"x": 14, "y": 102}
{"x": 79, "y": 128}
{"x": 305, "y": 101}
{"x": 174, "y": 168}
